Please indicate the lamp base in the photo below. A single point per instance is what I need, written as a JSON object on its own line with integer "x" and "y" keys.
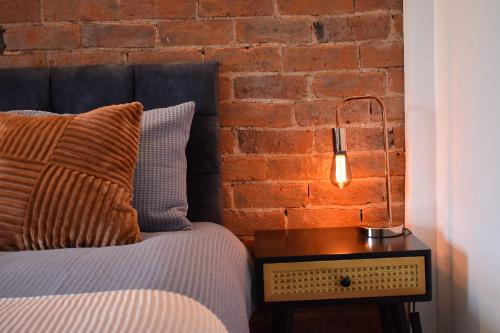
{"x": 381, "y": 232}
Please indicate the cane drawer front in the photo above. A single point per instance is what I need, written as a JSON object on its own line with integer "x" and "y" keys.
{"x": 342, "y": 279}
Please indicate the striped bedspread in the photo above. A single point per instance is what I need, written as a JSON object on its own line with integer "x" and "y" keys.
{"x": 208, "y": 264}
{"x": 145, "y": 311}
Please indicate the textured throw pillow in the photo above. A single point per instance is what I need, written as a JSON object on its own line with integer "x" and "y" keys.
{"x": 160, "y": 176}
{"x": 67, "y": 181}
{"x": 160, "y": 194}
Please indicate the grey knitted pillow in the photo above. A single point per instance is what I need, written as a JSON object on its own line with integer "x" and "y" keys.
{"x": 160, "y": 189}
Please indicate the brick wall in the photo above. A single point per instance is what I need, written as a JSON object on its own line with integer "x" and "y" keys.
{"x": 285, "y": 64}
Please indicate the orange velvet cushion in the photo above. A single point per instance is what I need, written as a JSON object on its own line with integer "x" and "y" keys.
{"x": 67, "y": 181}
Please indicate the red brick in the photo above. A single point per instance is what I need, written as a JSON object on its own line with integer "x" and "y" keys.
{"x": 225, "y": 88}
{"x": 323, "y": 112}
{"x": 353, "y": 28}
{"x": 42, "y": 37}
{"x": 274, "y": 30}
{"x": 77, "y": 58}
{"x": 195, "y": 32}
{"x": 88, "y": 10}
{"x": 245, "y": 223}
{"x": 366, "y": 5}
{"x": 312, "y": 113}
{"x": 365, "y": 138}
{"x": 157, "y": 9}
{"x": 227, "y": 141}
{"x": 359, "y": 192}
{"x": 396, "y": 80}
{"x": 164, "y": 56}
{"x": 12, "y": 11}
{"x": 355, "y": 112}
{"x": 256, "y": 115}
{"x": 398, "y": 189}
{"x": 315, "y": 7}
{"x": 23, "y": 60}
{"x": 225, "y": 8}
{"x": 323, "y": 140}
{"x": 382, "y": 55}
{"x": 241, "y": 59}
{"x": 287, "y": 141}
{"x": 264, "y": 195}
{"x": 357, "y": 139}
{"x": 243, "y": 168}
{"x": 316, "y": 58}
{"x": 372, "y": 163}
{"x": 298, "y": 168}
{"x": 394, "y": 108}
{"x": 322, "y": 218}
{"x": 349, "y": 84}
{"x": 378, "y": 215}
{"x": 119, "y": 35}
{"x": 227, "y": 196}
{"x": 275, "y": 86}
{"x": 398, "y": 137}
{"x": 397, "y": 25}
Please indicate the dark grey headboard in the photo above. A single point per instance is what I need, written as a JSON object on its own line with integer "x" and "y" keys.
{"x": 79, "y": 89}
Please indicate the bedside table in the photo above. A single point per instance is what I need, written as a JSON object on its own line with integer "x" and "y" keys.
{"x": 338, "y": 265}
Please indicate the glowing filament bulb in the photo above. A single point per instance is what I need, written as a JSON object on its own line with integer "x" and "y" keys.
{"x": 341, "y": 172}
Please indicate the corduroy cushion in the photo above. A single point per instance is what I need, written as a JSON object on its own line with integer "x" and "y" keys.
{"x": 160, "y": 193}
{"x": 67, "y": 181}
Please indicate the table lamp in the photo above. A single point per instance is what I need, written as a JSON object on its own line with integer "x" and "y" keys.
{"x": 340, "y": 174}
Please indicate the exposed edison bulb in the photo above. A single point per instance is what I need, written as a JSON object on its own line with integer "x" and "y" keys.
{"x": 341, "y": 172}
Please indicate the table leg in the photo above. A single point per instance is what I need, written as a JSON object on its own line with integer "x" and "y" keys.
{"x": 282, "y": 318}
{"x": 393, "y": 317}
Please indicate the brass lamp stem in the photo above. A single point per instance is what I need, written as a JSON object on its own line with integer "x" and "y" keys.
{"x": 386, "y": 147}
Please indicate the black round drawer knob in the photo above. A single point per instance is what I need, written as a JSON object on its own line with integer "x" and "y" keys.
{"x": 345, "y": 281}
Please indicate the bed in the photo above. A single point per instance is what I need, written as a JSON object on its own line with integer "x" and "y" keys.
{"x": 206, "y": 265}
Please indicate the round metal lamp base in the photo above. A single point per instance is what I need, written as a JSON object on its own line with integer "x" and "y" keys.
{"x": 381, "y": 232}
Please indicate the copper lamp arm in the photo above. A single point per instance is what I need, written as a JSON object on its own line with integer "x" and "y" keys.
{"x": 386, "y": 146}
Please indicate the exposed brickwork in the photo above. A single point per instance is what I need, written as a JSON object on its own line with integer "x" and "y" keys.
{"x": 355, "y": 28}
{"x": 274, "y": 30}
{"x": 42, "y": 37}
{"x": 276, "y": 142}
{"x": 284, "y": 66}
{"x": 320, "y": 58}
{"x": 158, "y": 9}
{"x": 118, "y": 35}
{"x": 231, "y": 8}
{"x": 271, "y": 87}
{"x": 315, "y": 7}
{"x": 89, "y": 10}
{"x": 245, "y": 59}
{"x": 12, "y": 11}
{"x": 381, "y": 55}
{"x": 195, "y": 32}
{"x": 349, "y": 83}
{"x": 256, "y": 115}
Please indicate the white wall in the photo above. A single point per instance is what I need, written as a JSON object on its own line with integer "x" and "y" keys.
{"x": 420, "y": 139}
{"x": 466, "y": 152}
{"x": 468, "y": 158}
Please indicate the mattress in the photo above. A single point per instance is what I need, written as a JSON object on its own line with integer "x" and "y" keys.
{"x": 208, "y": 264}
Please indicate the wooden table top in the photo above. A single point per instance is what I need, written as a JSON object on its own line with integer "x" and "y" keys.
{"x": 328, "y": 242}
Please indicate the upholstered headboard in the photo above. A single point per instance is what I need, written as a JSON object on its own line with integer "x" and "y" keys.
{"x": 79, "y": 89}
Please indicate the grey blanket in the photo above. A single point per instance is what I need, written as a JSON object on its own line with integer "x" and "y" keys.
{"x": 208, "y": 264}
{"x": 122, "y": 311}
